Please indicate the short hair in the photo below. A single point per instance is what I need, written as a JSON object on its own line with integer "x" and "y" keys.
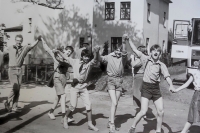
{"x": 20, "y": 36}
{"x": 155, "y": 46}
{"x": 118, "y": 46}
{"x": 85, "y": 52}
{"x": 70, "y": 48}
{"x": 143, "y": 49}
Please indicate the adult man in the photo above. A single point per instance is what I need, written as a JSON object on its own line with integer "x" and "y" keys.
{"x": 17, "y": 54}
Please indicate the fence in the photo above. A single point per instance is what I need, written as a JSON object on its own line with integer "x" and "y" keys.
{"x": 38, "y": 71}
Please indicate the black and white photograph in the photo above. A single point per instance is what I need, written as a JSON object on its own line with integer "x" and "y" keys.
{"x": 106, "y": 66}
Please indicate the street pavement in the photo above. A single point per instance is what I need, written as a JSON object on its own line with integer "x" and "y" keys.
{"x": 37, "y": 100}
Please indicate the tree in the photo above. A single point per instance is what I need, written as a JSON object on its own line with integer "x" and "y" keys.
{"x": 54, "y": 4}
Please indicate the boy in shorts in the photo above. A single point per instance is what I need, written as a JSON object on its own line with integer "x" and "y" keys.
{"x": 150, "y": 88}
{"x": 115, "y": 68}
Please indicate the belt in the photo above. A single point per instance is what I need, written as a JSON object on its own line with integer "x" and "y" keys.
{"x": 16, "y": 67}
{"x": 63, "y": 73}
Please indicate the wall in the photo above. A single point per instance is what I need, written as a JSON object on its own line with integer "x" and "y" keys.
{"x": 154, "y": 30}
{"x": 103, "y": 29}
{"x": 57, "y": 26}
{"x": 163, "y": 30}
{"x": 151, "y": 28}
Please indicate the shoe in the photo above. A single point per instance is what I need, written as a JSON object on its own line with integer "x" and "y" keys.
{"x": 51, "y": 116}
{"x": 7, "y": 106}
{"x": 65, "y": 124}
{"x": 108, "y": 126}
{"x": 69, "y": 120}
{"x": 16, "y": 110}
{"x": 132, "y": 130}
{"x": 112, "y": 128}
{"x": 18, "y": 107}
{"x": 93, "y": 128}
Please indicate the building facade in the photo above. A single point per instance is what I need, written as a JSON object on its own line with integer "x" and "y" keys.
{"x": 145, "y": 21}
{"x": 90, "y": 21}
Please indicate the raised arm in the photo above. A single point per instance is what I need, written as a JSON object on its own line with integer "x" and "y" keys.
{"x": 96, "y": 54}
{"x": 36, "y": 42}
{"x": 185, "y": 85}
{"x": 134, "y": 48}
{"x": 46, "y": 48}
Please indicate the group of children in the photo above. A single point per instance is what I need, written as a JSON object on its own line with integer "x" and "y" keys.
{"x": 70, "y": 80}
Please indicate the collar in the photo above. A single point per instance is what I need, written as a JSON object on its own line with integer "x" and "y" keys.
{"x": 17, "y": 47}
{"x": 82, "y": 62}
{"x": 158, "y": 62}
{"x": 113, "y": 54}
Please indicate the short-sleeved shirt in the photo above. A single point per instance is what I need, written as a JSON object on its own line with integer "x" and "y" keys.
{"x": 17, "y": 55}
{"x": 137, "y": 65}
{"x": 196, "y": 75}
{"x": 115, "y": 65}
{"x": 76, "y": 64}
{"x": 60, "y": 68}
{"x": 153, "y": 70}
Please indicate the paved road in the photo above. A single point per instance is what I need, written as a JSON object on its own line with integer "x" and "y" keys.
{"x": 37, "y": 100}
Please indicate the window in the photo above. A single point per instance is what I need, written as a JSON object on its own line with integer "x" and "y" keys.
{"x": 125, "y": 12}
{"x": 81, "y": 41}
{"x": 148, "y": 12}
{"x": 163, "y": 47}
{"x": 109, "y": 10}
{"x": 115, "y": 43}
{"x": 147, "y": 45}
{"x": 164, "y": 20}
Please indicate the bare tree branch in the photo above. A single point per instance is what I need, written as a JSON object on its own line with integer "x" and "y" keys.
{"x": 47, "y": 4}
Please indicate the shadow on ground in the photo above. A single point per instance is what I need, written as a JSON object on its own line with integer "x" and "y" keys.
{"x": 5, "y": 117}
{"x": 84, "y": 120}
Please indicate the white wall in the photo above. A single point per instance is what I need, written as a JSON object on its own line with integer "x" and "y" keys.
{"x": 154, "y": 30}
{"x": 163, "y": 31}
{"x": 57, "y": 26}
{"x": 103, "y": 29}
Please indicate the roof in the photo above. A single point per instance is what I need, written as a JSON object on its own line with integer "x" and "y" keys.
{"x": 168, "y": 1}
{"x": 13, "y": 29}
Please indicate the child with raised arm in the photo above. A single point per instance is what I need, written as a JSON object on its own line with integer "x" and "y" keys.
{"x": 60, "y": 78}
{"x": 194, "y": 110}
{"x": 150, "y": 87}
{"x": 115, "y": 69}
{"x": 81, "y": 69}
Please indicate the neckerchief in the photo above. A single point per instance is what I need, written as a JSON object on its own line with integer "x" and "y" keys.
{"x": 18, "y": 48}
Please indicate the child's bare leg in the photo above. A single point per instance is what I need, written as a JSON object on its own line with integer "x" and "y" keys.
{"x": 118, "y": 94}
{"x": 55, "y": 103}
{"x": 186, "y": 127}
{"x": 84, "y": 95}
{"x": 113, "y": 104}
{"x": 90, "y": 125}
{"x": 63, "y": 108}
{"x": 159, "y": 106}
{"x": 143, "y": 110}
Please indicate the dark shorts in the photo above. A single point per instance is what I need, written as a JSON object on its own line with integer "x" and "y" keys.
{"x": 151, "y": 91}
{"x": 115, "y": 83}
{"x": 194, "y": 111}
